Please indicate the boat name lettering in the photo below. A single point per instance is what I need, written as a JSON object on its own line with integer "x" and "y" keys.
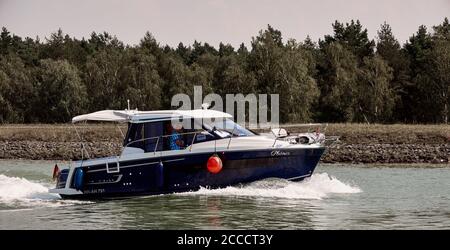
{"x": 279, "y": 153}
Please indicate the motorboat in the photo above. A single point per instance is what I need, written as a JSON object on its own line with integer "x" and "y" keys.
{"x": 207, "y": 149}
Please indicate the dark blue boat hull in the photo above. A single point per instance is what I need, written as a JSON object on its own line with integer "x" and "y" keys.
{"x": 173, "y": 174}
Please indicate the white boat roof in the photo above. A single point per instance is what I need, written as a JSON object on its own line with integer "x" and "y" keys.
{"x": 142, "y": 116}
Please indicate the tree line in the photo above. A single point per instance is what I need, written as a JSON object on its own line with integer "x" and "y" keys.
{"x": 344, "y": 77}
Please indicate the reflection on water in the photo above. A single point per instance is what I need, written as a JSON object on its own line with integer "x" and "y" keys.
{"x": 336, "y": 197}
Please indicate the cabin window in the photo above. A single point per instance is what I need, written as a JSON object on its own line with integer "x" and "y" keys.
{"x": 152, "y": 131}
{"x": 225, "y": 128}
{"x": 145, "y": 135}
{"x": 187, "y": 132}
{"x": 134, "y": 136}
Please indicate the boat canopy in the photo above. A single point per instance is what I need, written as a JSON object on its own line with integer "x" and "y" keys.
{"x": 135, "y": 116}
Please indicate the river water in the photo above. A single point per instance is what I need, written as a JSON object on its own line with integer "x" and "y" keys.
{"x": 335, "y": 197}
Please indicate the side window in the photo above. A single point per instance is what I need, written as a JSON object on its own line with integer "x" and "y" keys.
{"x": 145, "y": 136}
{"x": 152, "y": 131}
{"x": 134, "y": 136}
{"x": 174, "y": 135}
{"x": 196, "y": 129}
{"x": 179, "y": 134}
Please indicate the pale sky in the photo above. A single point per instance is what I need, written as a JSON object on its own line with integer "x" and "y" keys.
{"x": 213, "y": 21}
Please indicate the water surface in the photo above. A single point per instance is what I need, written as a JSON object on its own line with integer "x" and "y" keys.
{"x": 335, "y": 197}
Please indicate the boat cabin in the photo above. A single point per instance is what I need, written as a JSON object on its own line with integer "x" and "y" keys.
{"x": 153, "y": 131}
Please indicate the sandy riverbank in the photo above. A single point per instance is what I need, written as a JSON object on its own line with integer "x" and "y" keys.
{"x": 359, "y": 143}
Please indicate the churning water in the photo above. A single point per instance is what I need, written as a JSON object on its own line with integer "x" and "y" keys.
{"x": 335, "y": 197}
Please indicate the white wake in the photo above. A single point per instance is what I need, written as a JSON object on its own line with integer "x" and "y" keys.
{"x": 317, "y": 186}
{"x": 16, "y": 192}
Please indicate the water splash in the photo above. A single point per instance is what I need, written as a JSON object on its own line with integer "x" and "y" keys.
{"x": 20, "y": 193}
{"x": 16, "y": 192}
{"x": 317, "y": 186}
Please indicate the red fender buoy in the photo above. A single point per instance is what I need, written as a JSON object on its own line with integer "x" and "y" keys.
{"x": 214, "y": 164}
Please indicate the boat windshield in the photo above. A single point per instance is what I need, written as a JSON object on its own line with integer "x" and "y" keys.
{"x": 226, "y": 128}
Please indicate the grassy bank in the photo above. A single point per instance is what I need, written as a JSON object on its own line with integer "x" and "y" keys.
{"x": 359, "y": 143}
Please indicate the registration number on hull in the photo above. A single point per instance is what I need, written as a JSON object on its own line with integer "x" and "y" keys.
{"x": 94, "y": 191}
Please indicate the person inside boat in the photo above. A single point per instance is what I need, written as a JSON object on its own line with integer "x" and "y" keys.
{"x": 176, "y": 141}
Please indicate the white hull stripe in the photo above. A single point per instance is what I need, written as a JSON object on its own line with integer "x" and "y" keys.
{"x": 132, "y": 166}
{"x": 119, "y": 178}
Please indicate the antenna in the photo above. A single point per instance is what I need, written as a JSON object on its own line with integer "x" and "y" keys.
{"x": 128, "y": 102}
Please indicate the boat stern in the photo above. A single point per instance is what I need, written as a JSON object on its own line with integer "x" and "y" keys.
{"x": 63, "y": 185}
